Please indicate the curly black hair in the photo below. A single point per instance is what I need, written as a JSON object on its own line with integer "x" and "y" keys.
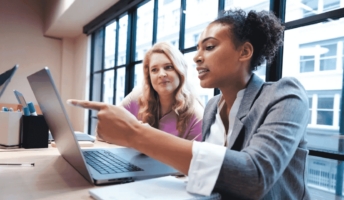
{"x": 262, "y": 29}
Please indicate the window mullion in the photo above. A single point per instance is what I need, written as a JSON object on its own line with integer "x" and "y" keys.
{"x": 155, "y": 21}
{"x": 91, "y": 83}
{"x": 182, "y": 25}
{"x": 116, "y": 63}
{"x": 221, "y": 6}
{"x": 131, "y": 48}
{"x": 102, "y": 74}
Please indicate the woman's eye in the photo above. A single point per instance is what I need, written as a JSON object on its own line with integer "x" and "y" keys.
{"x": 154, "y": 70}
{"x": 209, "y": 47}
{"x": 169, "y": 67}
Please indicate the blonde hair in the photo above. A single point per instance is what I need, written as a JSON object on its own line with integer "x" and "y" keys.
{"x": 184, "y": 97}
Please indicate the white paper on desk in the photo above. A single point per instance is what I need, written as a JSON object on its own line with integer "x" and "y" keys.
{"x": 167, "y": 188}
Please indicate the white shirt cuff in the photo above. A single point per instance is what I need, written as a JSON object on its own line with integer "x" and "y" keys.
{"x": 205, "y": 167}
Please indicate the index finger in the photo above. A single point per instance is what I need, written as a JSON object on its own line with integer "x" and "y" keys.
{"x": 85, "y": 104}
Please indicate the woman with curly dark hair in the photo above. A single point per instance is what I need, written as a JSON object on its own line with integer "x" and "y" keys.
{"x": 254, "y": 132}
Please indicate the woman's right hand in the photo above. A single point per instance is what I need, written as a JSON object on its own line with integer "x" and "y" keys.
{"x": 115, "y": 124}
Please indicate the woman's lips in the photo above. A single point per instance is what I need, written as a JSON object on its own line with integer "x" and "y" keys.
{"x": 202, "y": 73}
{"x": 164, "y": 82}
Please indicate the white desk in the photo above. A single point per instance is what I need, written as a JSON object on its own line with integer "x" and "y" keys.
{"x": 51, "y": 177}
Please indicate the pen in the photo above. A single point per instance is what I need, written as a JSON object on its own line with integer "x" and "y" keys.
{"x": 19, "y": 164}
{"x": 26, "y": 111}
{"x": 32, "y": 109}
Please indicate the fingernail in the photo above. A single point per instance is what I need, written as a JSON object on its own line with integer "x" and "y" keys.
{"x": 69, "y": 102}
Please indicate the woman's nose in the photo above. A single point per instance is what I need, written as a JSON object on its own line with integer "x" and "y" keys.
{"x": 198, "y": 58}
{"x": 162, "y": 73}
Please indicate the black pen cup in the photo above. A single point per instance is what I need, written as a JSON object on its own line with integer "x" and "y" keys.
{"x": 35, "y": 132}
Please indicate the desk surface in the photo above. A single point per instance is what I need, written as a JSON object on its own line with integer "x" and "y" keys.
{"x": 51, "y": 177}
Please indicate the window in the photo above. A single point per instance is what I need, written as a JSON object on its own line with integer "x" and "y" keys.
{"x": 110, "y": 43}
{"x": 325, "y": 111}
{"x": 168, "y": 1}
{"x": 161, "y": 23}
{"x": 320, "y": 56}
{"x": 313, "y": 53}
{"x": 229, "y": 2}
{"x": 198, "y": 15}
{"x": 204, "y": 99}
{"x": 313, "y": 7}
{"x": 310, "y": 102}
{"x": 176, "y": 17}
{"x": 196, "y": 36}
{"x": 328, "y": 59}
{"x": 108, "y": 77}
{"x": 306, "y": 64}
{"x": 144, "y": 28}
{"x": 122, "y": 41}
{"x": 168, "y": 22}
{"x": 306, "y": 8}
{"x": 120, "y": 85}
{"x": 138, "y": 75}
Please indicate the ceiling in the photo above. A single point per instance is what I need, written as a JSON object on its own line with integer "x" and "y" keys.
{"x": 66, "y": 18}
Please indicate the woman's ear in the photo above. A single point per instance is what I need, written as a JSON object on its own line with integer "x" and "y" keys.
{"x": 246, "y": 51}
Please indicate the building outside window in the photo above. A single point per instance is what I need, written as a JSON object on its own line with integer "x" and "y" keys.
{"x": 313, "y": 7}
{"x": 322, "y": 56}
{"x": 168, "y": 1}
{"x": 176, "y": 17}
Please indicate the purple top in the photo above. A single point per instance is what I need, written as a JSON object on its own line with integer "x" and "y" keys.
{"x": 169, "y": 121}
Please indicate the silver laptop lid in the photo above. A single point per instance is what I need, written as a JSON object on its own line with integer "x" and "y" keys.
{"x": 55, "y": 115}
{"x": 5, "y": 78}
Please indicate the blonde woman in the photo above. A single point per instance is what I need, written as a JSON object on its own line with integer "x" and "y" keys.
{"x": 166, "y": 101}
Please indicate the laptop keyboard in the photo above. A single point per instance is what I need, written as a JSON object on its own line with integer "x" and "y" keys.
{"x": 106, "y": 162}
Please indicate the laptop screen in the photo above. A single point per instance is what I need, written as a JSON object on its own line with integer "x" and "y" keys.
{"x": 55, "y": 115}
{"x": 5, "y": 78}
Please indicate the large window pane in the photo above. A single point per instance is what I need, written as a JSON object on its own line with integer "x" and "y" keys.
{"x": 314, "y": 55}
{"x": 98, "y": 50}
{"x": 144, "y": 34}
{"x": 94, "y": 123}
{"x": 138, "y": 81}
{"x": 96, "y": 89}
{"x": 199, "y": 13}
{"x": 168, "y": 22}
{"x": 122, "y": 40}
{"x": 110, "y": 43}
{"x": 108, "y": 86}
{"x": 204, "y": 94}
{"x": 298, "y": 9}
{"x": 247, "y": 5}
{"x": 120, "y": 85}
{"x": 325, "y": 178}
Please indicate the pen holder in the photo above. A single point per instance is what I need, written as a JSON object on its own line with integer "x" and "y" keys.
{"x": 35, "y": 132}
{"x": 10, "y": 128}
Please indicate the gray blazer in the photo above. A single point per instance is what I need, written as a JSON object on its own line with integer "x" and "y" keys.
{"x": 266, "y": 156}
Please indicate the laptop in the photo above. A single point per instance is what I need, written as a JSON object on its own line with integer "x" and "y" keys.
{"x": 5, "y": 78}
{"x": 98, "y": 166}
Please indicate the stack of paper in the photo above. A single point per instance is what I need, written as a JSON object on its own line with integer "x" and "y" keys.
{"x": 165, "y": 188}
